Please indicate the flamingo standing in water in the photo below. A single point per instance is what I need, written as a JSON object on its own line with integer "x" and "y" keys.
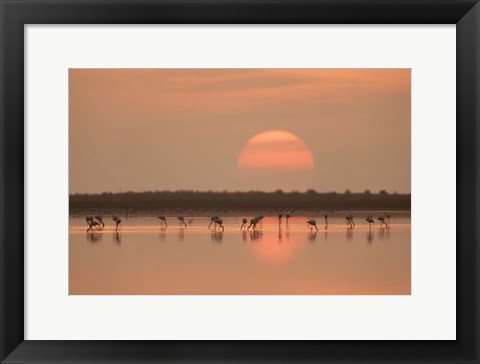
{"x": 387, "y": 216}
{"x": 163, "y": 220}
{"x": 287, "y": 217}
{"x": 370, "y": 221}
{"x": 219, "y": 222}
{"x": 350, "y": 221}
{"x": 100, "y": 220}
{"x": 259, "y": 219}
{"x": 382, "y": 221}
{"x": 244, "y": 221}
{"x": 118, "y": 222}
{"x": 326, "y": 219}
{"x": 253, "y": 222}
{"x": 311, "y": 223}
{"x": 212, "y": 220}
{"x": 181, "y": 218}
{"x": 92, "y": 225}
{"x": 280, "y": 215}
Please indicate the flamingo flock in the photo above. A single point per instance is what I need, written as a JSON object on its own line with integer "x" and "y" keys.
{"x": 96, "y": 222}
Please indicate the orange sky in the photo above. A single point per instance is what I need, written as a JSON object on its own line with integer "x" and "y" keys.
{"x": 159, "y": 129}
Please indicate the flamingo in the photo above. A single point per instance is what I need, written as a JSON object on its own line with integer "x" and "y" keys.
{"x": 259, "y": 219}
{"x": 326, "y": 219}
{"x": 244, "y": 221}
{"x": 382, "y": 221}
{"x": 212, "y": 220}
{"x": 118, "y": 222}
{"x": 311, "y": 223}
{"x": 280, "y": 215}
{"x": 287, "y": 217}
{"x": 163, "y": 220}
{"x": 88, "y": 219}
{"x": 92, "y": 225}
{"x": 100, "y": 220}
{"x": 253, "y": 222}
{"x": 370, "y": 221}
{"x": 219, "y": 222}
{"x": 350, "y": 221}
{"x": 181, "y": 218}
{"x": 387, "y": 215}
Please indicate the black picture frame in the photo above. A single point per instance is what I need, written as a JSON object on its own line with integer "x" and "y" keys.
{"x": 15, "y": 14}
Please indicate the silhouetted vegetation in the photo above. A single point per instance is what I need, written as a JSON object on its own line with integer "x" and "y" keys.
{"x": 253, "y": 200}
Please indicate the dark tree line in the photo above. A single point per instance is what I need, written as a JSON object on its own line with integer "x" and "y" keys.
{"x": 239, "y": 200}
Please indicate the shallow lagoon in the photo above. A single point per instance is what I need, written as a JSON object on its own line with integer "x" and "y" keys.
{"x": 144, "y": 258}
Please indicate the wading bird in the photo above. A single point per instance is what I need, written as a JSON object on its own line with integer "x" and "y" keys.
{"x": 370, "y": 221}
{"x": 287, "y": 217}
{"x": 387, "y": 216}
{"x": 244, "y": 221}
{"x": 219, "y": 222}
{"x": 181, "y": 219}
{"x": 382, "y": 221}
{"x": 163, "y": 220}
{"x": 100, "y": 220}
{"x": 92, "y": 225}
{"x": 259, "y": 219}
{"x": 253, "y": 223}
{"x": 280, "y": 215}
{"x": 118, "y": 222}
{"x": 212, "y": 221}
{"x": 311, "y": 223}
{"x": 350, "y": 221}
{"x": 326, "y": 219}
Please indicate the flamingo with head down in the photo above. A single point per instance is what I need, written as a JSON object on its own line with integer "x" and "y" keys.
{"x": 312, "y": 223}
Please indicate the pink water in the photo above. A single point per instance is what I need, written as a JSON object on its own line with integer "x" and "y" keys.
{"x": 144, "y": 258}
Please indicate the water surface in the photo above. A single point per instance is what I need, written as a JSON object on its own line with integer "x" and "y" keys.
{"x": 144, "y": 258}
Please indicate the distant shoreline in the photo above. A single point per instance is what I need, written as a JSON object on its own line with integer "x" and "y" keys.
{"x": 226, "y": 213}
{"x": 205, "y": 202}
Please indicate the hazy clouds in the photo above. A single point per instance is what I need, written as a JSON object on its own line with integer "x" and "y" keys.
{"x": 185, "y": 129}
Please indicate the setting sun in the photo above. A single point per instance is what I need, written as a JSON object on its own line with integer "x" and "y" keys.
{"x": 276, "y": 150}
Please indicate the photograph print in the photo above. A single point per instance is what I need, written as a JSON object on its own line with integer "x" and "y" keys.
{"x": 239, "y": 182}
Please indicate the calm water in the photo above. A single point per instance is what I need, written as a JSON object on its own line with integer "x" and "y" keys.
{"x": 143, "y": 258}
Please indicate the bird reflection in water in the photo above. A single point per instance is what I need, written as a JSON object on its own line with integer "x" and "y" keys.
{"x": 244, "y": 236}
{"x": 117, "y": 238}
{"x": 217, "y": 236}
{"x": 349, "y": 234}
{"x": 255, "y": 235}
{"x": 381, "y": 233}
{"x": 181, "y": 234}
{"x": 94, "y": 238}
{"x": 384, "y": 233}
{"x": 387, "y": 233}
{"x": 370, "y": 237}
{"x": 312, "y": 236}
{"x": 280, "y": 234}
{"x": 163, "y": 234}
